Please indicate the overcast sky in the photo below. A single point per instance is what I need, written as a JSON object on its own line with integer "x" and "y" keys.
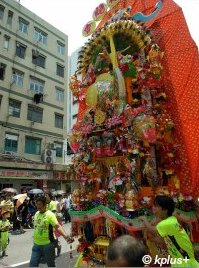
{"x": 69, "y": 16}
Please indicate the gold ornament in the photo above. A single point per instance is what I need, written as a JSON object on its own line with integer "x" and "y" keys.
{"x": 91, "y": 96}
{"x": 99, "y": 117}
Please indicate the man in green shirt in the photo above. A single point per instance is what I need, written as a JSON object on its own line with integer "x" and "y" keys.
{"x": 44, "y": 222}
{"x": 50, "y": 204}
{"x": 177, "y": 240}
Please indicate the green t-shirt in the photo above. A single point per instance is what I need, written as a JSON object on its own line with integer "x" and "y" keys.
{"x": 42, "y": 222}
{"x": 51, "y": 206}
{"x": 177, "y": 241}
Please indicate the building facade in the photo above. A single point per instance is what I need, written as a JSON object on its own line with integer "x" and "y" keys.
{"x": 72, "y": 106}
{"x": 33, "y": 99}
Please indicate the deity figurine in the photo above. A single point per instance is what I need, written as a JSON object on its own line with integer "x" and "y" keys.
{"x": 155, "y": 57}
{"x": 131, "y": 202}
{"x": 89, "y": 196}
{"x": 108, "y": 148}
{"x": 75, "y": 85}
{"x": 150, "y": 173}
{"x": 83, "y": 197}
{"x": 75, "y": 197}
{"x": 98, "y": 147}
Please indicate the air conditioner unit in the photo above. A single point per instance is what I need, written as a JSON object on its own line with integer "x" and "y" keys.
{"x": 9, "y": 153}
{"x": 49, "y": 156}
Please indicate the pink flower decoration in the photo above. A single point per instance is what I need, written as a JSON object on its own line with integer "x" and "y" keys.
{"x": 124, "y": 67}
{"x": 115, "y": 120}
{"x": 81, "y": 96}
{"x": 87, "y": 128}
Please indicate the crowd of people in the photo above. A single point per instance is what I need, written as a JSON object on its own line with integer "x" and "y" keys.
{"x": 49, "y": 211}
{"x": 16, "y": 218}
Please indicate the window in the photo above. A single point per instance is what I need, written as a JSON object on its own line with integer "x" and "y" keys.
{"x": 23, "y": 25}
{"x": 60, "y": 48}
{"x": 37, "y": 85}
{"x": 59, "y": 95}
{"x": 74, "y": 116}
{"x": 58, "y": 120}
{"x": 75, "y": 101}
{"x": 35, "y": 114}
{"x": 10, "y": 17}
{"x": 60, "y": 70}
{"x": 32, "y": 145}
{"x": 14, "y": 108}
{"x": 17, "y": 78}
{"x": 11, "y": 143}
{"x": 40, "y": 36}
{"x": 2, "y": 71}
{"x": 2, "y": 8}
{"x": 20, "y": 50}
{"x": 38, "y": 59}
{"x": 69, "y": 151}
{"x": 6, "y": 41}
{"x": 59, "y": 149}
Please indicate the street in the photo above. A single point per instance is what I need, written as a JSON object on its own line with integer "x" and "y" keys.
{"x": 20, "y": 247}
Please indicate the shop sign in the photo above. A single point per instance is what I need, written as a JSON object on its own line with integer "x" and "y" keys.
{"x": 60, "y": 176}
{"x": 14, "y": 174}
{"x": 33, "y": 175}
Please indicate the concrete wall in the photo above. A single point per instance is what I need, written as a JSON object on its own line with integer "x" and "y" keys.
{"x": 21, "y": 126}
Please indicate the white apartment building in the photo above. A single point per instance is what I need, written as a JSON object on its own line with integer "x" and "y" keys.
{"x": 72, "y": 105}
{"x": 33, "y": 99}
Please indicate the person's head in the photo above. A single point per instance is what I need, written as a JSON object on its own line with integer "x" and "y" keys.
{"x": 163, "y": 206}
{"x": 41, "y": 204}
{"x": 125, "y": 251}
{"x": 8, "y": 197}
{"x": 49, "y": 197}
{"x": 59, "y": 197}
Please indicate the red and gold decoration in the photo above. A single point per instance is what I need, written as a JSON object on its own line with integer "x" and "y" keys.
{"x": 125, "y": 139}
{"x": 112, "y": 3}
{"x": 99, "y": 12}
{"x": 89, "y": 28}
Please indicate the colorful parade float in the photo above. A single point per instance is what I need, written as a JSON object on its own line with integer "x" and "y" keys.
{"x": 136, "y": 131}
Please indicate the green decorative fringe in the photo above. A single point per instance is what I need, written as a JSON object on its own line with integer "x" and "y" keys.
{"x": 136, "y": 222}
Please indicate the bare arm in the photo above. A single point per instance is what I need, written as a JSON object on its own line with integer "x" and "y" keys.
{"x": 61, "y": 230}
{"x": 152, "y": 229}
{"x": 148, "y": 225}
